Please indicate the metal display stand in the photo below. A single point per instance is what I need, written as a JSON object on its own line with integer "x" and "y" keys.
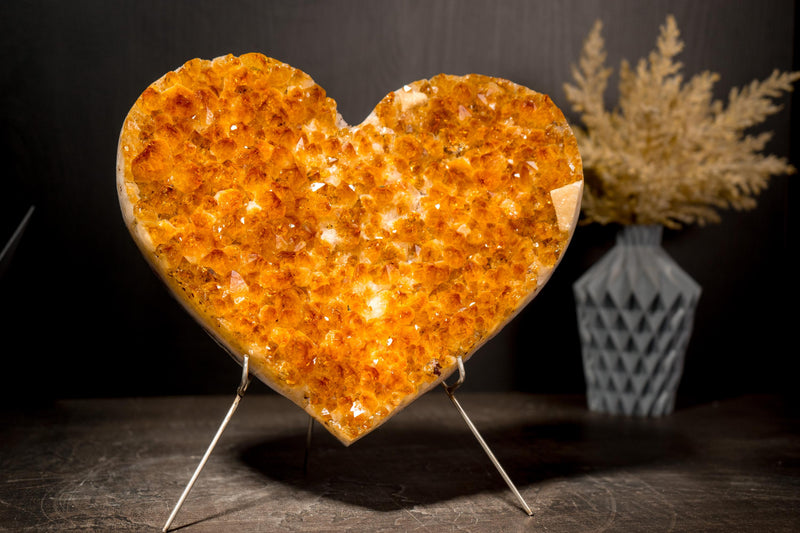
{"x": 8, "y": 249}
{"x": 449, "y": 389}
{"x": 239, "y": 395}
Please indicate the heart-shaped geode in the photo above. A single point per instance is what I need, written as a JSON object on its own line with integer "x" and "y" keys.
{"x": 354, "y": 264}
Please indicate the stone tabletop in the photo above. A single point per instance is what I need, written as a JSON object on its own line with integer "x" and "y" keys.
{"x": 121, "y": 464}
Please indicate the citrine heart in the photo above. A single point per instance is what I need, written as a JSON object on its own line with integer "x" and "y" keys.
{"x": 353, "y": 264}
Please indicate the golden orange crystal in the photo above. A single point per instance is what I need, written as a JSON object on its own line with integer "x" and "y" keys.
{"x": 353, "y": 264}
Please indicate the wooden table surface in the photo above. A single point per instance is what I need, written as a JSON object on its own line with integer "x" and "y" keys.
{"x": 121, "y": 464}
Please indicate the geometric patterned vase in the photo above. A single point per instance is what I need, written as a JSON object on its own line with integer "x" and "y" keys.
{"x": 635, "y": 312}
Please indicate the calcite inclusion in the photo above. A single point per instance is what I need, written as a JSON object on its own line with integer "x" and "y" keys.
{"x": 352, "y": 264}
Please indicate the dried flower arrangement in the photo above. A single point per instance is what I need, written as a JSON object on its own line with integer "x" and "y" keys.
{"x": 669, "y": 154}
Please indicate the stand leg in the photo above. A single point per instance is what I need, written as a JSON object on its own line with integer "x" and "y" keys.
{"x": 13, "y": 241}
{"x": 451, "y": 389}
{"x": 239, "y": 394}
{"x": 309, "y": 434}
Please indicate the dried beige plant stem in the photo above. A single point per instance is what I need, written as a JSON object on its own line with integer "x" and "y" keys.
{"x": 669, "y": 153}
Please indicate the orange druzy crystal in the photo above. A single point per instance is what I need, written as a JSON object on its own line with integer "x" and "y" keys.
{"x": 352, "y": 264}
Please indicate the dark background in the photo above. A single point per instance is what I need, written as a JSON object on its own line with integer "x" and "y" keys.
{"x": 82, "y": 314}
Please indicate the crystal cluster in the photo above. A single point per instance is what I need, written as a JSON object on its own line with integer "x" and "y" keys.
{"x": 353, "y": 264}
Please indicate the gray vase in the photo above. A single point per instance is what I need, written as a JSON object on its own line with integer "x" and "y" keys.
{"x": 635, "y": 312}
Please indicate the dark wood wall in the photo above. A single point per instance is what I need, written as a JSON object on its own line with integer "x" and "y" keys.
{"x": 84, "y": 316}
